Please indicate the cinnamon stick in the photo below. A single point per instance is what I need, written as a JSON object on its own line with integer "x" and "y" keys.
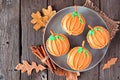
{"x": 48, "y": 62}
{"x": 37, "y": 52}
{"x": 41, "y": 54}
{"x": 52, "y": 64}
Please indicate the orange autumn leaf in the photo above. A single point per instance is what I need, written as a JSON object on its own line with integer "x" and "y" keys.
{"x": 48, "y": 12}
{"x": 69, "y": 75}
{"x": 40, "y": 21}
{"x": 111, "y": 62}
{"x": 26, "y": 67}
{"x": 45, "y": 19}
{"x": 37, "y": 20}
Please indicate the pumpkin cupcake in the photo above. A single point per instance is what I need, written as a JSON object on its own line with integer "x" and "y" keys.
{"x": 79, "y": 58}
{"x": 98, "y": 37}
{"x": 57, "y": 44}
{"x": 73, "y": 23}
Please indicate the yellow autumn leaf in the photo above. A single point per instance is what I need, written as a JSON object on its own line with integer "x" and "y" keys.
{"x": 37, "y": 20}
{"x": 48, "y": 12}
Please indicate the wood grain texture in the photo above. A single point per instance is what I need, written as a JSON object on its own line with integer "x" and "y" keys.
{"x": 59, "y": 4}
{"x": 29, "y": 35}
{"x": 112, "y": 9}
{"x": 92, "y": 74}
{"x": 79, "y": 2}
{"x": 113, "y": 51}
{"x": 9, "y": 39}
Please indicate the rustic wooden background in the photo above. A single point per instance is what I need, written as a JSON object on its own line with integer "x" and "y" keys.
{"x": 17, "y": 35}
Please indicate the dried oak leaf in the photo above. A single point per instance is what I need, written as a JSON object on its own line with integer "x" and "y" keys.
{"x": 45, "y": 19}
{"x": 109, "y": 63}
{"x": 37, "y": 20}
{"x": 41, "y": 21}
{"x": 69, "y": 75}
{"x": 48, "y": 12}
{"x": 27, "y": 67}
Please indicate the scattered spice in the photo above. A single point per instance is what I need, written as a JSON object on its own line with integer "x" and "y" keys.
{"x": 27, "y": 67}
{"x": 109, "y": 63}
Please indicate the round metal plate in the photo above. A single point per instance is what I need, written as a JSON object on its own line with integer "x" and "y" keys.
{"x": 92, "y": 18}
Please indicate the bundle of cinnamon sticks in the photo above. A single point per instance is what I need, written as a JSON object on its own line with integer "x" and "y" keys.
{"x": 40, "y": 52}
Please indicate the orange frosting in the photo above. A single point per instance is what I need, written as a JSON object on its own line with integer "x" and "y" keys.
{"x": 72, "y": 25}
{"x": 98, "y": 37}
{"x": 58, "y": 46}
{"x": 79, "y": 58}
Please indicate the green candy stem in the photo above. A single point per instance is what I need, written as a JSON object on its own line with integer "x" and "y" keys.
{"x": 78, "y": 15}
{"x": 75, "y": 13}
{"x": 80, "y": 49}
{"x": 92, "y": 31}
{"x": 53, "y": 36}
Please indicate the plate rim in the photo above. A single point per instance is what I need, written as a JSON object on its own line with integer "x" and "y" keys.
{"x": 44, "y": 43}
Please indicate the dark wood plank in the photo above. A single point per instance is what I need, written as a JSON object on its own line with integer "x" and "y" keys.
{"x": 29, "y": 35}
{"x": 92, "y": 74}
{"x": 79, "y": 2}
{"x": 9, "y": 39}
{"x": 113, "y": 51}
{"x": 57, "y": 5}
{"x": 112, "y": 9}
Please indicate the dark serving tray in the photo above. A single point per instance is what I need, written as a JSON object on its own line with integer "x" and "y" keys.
{"x": 92, "y": 18}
